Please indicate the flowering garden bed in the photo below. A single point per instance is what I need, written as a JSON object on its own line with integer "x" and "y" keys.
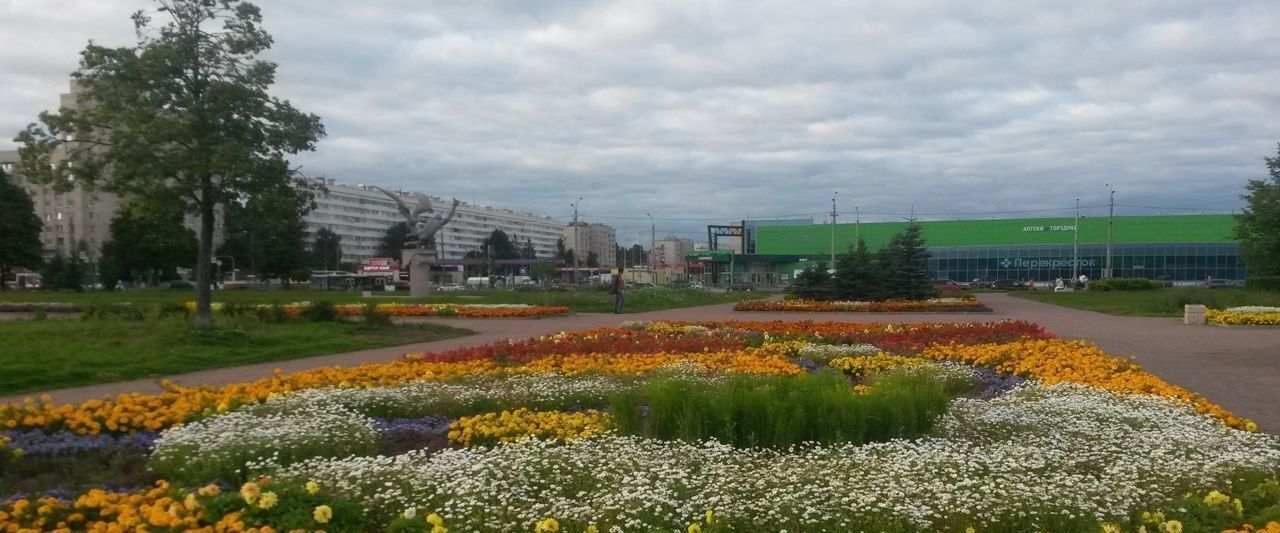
{"x": 716, "y": 426}
{"x": 1253, "y": 315}
{"x": 967, "y": 304}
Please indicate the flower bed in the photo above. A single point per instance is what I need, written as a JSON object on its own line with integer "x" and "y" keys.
{"x": 708, "y": 426}
{"x": 1253, "y": 315}
{"x": 941, "y": 305}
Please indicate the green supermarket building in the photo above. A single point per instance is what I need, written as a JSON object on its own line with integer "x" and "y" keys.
{"x": 1183, "y": 249}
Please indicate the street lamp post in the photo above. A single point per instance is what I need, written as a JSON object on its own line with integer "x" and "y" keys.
{"x": 577, "y": 240}
{"x": 653, "y": 242}
{"x": 1075, "y": 246}
{"x": 1111, "y": 219}
{"x": 833, "y": 228}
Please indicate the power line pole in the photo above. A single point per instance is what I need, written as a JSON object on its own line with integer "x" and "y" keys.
{"x": 1111, "y": 219}
{"x": 857, "y": 225}
{"x": 833, "y": 228}
{"x": 1075, "y": 246}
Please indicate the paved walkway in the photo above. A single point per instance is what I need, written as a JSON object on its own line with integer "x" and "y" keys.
{"x": 1238, "y": 367}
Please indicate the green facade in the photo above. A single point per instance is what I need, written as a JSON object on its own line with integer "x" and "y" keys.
{"x": 812, "y": 240}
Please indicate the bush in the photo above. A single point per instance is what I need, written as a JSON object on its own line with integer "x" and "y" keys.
{"x": 780, "y": 411}
{"x": 271, "y": 314}
{"x": 1263, "y": 283}
{"x": 374, "y": 317}
{"x": 320, "y": 311}
{"x": 1124, "y": 284}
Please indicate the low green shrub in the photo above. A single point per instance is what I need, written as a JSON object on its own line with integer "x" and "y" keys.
{"x": 320, "y": 311}
{"x": 781, "y": 411}
{"x": 374, "y": 317}
{"x": 1263, "y": 283}
{"x": 271, "y": 314}
{"x": 1124, "y": 284}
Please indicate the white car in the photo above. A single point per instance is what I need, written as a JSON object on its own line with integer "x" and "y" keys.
{"x": 451, "y": 287}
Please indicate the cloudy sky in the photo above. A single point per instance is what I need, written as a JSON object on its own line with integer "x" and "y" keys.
{"x": 706, "y": 111}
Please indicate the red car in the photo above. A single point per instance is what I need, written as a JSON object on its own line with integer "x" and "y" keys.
{"x": 949, "y": 285}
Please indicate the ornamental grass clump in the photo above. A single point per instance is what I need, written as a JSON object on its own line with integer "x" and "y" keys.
{"x": 219, "y": 447}
{"x": 780, "y": 412}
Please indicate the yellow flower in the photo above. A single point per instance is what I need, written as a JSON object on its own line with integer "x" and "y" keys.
{"x": 267, "y": 500}
{"x": 592, "y": 529}
{"x": 210, "y": 490}
{"x": 969, "y": 530}
{"x": 435, "y": 520}
{"x": 695, "y": 528}
{"x": 322, "y": 514}
{"x": 1172, "y": 526}
{"x": 1110, "y": 528}
{"x": 250, "y": 492}
{"x": 1250, "y": 425}
{"x": 711, "y": 517}
{"x": 547, "y": 525}
{"x": 1215, "y": 498}
{"x": 1239, "y": 507}
{"x": 312, "y": 487}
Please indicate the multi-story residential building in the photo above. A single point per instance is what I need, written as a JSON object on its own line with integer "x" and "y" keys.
{"x": 361, "y": 215}
{"x": 671, "y": 250}
{"x": 76, "y": 222}
{"x": 592, "y": 238}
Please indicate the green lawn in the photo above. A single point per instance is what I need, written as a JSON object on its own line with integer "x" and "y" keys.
{"x": 1160, "y": 302}
{"x": 585, "y": 301}
{"x": 46, "y": 354}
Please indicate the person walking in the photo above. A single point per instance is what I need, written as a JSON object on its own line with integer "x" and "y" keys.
{"x": 617, "y": 292}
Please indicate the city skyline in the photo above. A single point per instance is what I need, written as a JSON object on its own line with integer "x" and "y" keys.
{"x": 706, "y": 112}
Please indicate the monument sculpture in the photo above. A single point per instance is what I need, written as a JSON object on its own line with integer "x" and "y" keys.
{"x": 419, "y": 251}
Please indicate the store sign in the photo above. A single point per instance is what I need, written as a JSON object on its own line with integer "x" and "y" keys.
{"x": 1047, "y": 228}
{"x": 1010, "y": 262}
{"x": 376, "y": 265}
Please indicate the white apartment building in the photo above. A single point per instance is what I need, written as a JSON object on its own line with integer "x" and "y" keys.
{"x": 361, "y": 215}
{"x": 598, "y": 238}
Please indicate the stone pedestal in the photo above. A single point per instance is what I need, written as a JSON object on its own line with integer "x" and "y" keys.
{"x": 419, "y": 263}
{"x": 1193, "y": 314}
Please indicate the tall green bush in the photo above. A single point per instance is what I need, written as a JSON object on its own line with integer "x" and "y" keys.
{"x": 1263, "y": 283}
{"x": 780, "y": 411}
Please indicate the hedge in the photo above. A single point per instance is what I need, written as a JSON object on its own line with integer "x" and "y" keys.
{"x": 1124, "y": 284}
{"x": 1263, "y": 283}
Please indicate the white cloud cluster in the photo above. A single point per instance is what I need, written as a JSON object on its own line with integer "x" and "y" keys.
{"x": 721, "y": 110}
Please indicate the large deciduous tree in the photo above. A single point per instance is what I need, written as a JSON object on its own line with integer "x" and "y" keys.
{"x": 265, "y": 232}
{"x": 19, "y": 229}
{"x": 499, "y": 246}
{"x": 148, "y": 242}
{"x": 326, "y": 250}
{"x": 393, "y": 241}
{"x": 186, "y": 110}
{"x": 1258, "y": 227}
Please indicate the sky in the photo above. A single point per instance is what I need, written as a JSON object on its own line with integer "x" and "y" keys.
{"x": 704, "y": 112}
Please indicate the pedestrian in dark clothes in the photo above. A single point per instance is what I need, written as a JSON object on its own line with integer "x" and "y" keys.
{"x": 617, "y": 292}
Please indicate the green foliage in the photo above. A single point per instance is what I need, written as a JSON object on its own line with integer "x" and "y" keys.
{"x": 63, "y": 274}
{"x": 1258, "y": 226}
{"x": 781, "y": 411}
{"x": 593, "y": 260}
{"x": 857, "y": 276}
{"x": 499, "y": 246}
{"x": 543, "y": 271}
{"x": 294, "y": 509}
{"x": 393, "y": 241}
{"x": 320, "y": 311}
{"x": 19, "y": 228}
{"x": 904, "y": 265}
{"x": 265, "y": 232}
{"x": 1125, "y": 284}
{"x": 148, "y": 242}
{"x": 373, "y": 317}
{"x": 1263, "y": 283}
{"x": 326, "y": 250}
{"x": 186, "y": 112}
{"x": 813, "y": 283}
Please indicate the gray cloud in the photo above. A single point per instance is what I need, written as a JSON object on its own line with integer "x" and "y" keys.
{"x": 720, "y": 110}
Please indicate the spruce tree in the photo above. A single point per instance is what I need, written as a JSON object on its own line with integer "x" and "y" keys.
{"x": 813, "y": 283}
{"x": 907, "y": 268}
{"x": 857, "y": 275}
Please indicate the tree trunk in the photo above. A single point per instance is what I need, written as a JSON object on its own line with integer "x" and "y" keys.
{"x": 204, "y": 259}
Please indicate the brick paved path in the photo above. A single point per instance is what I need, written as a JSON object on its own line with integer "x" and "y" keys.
{"x": 1238, "y": 367}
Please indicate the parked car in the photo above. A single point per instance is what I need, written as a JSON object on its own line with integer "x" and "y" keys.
{"x": 1009, "y": 285}
{"x": 949, "y": 285}
{"x": 1167, "y": 281}
{"x": 1220, "y": 283}
{"x": 982, "y": 283}
{"x": 742, "y": 287}
{"x": 451, "y": 287}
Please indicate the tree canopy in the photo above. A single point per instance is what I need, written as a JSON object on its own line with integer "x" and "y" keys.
{"x": 186, "y": 110}
{"x": 19, "y": 228}
{"x": 393, "y": 241}
{"x": 1258, "y": 226}
{"x": 265, "y": 232}
{"x": 326, "y": 250}
{"x": 900, "y": 270}
{"x": 498, "y": 245}
{"x": 148, "y": 243}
